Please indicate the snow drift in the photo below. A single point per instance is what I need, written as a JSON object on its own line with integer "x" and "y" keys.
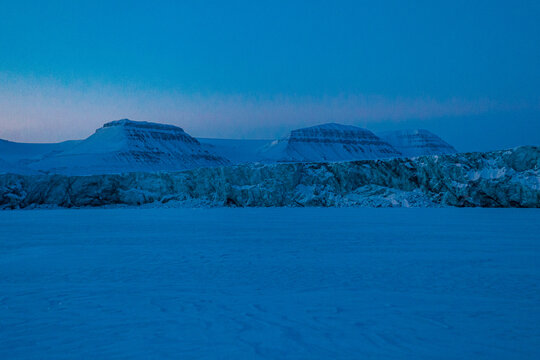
{"x": 509, "y": 178}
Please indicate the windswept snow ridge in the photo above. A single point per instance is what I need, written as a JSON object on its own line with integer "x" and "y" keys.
{"x": 328, "y": 142}
{"x": 126, "y": 145}
{"x": 417, "y": 142}
{"x": 508, "y": 178}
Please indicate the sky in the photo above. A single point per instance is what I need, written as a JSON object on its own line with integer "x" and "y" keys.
{"x": 466, "y": 70}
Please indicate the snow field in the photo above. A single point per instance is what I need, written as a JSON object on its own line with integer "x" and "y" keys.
{"x": 289, "y": 283}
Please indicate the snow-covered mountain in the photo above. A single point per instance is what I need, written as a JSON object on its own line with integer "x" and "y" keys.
{"x": 417, "y": 142}
{"x": 131, "y": 146}
{"x": 328, "y": 142}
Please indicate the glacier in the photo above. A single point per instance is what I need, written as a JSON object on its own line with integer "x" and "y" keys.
{"x": 508, "y": 178}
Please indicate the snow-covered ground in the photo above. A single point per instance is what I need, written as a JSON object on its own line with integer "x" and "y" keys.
{"x": 288, "y": 283}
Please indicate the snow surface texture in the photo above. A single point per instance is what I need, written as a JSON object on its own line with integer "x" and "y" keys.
{"x": 126, "y": 145}
{"x": 270, "y": 284}
{"x": 328, "y": 142}
{"x": 417, "y": 142}
{"x": 508, "y": 178}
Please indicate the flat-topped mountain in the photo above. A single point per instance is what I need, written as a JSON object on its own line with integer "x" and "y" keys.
{"x": 328, "y": 142}
{"x": 138, "y": 146}
{"x": 128, "y": 146}
{"x": 417, "y": 142}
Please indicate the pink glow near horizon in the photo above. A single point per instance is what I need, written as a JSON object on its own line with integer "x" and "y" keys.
{"x": 39, "y": 113}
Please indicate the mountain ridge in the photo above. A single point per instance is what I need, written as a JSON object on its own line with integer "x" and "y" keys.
{"x": 140, "y": 146}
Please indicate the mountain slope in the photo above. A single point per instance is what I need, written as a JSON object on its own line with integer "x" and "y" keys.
{"x": 130, "y": 146}
{"x": 417, "y": 142}
{"x": 328, "y": 142}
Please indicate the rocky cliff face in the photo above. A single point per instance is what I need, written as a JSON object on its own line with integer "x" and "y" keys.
{"x": 417, "y": 142}
{"x": 126, "y": 145}
{"x": 328, "y": 142}
{"x": 496, "y": 179}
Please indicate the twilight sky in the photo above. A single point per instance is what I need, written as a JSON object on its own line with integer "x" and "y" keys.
{"x": 467, "y": 70}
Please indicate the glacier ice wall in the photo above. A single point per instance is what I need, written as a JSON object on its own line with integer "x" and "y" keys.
{"x": 509, "y": 178}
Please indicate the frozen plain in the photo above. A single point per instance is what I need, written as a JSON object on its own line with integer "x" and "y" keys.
{"x": 275, "y": 283}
